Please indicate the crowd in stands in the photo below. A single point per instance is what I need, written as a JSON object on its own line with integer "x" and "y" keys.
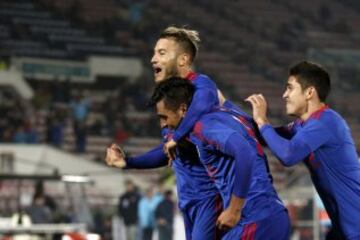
{"x": 17, "y": 122}
{"x": 57, "y": 108}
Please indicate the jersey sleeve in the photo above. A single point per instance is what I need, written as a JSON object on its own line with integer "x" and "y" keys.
{"x": 291, "y": 151}
{"x": 153, "y": 159}
{"x": 204, "y": 100}
{"x": 244, "y": 156}
{"x": 286, "y": 131}
{"x": 235, "y": 145}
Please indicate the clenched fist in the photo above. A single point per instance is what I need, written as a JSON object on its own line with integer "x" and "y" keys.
{"x": 115, "y": 156}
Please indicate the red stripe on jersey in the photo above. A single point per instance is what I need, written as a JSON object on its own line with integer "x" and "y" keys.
{"x": 244, "y": 233}
{"x": 319, "y": 112}
{"x": 249, "y": 232}
{"x": 198, "y": 133}
{"x": 191, "y": 76}
{"x": 251, "y": 132}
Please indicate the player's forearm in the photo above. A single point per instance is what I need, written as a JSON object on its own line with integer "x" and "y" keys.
{"x": 289, "y": 152}
{"x": 244, "y": 156}
{"x": 204, "y": 101}
{"x": 284, "y": 132}
{"x": 236, "y": 204}
{"x": 153, "y": 159}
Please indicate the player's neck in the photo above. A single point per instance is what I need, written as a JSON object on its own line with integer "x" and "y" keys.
{"x": 313, "y": 106}
{"x": 185, "y": 72}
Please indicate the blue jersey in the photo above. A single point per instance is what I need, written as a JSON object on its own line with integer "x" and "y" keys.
{"x": 204, "y": 100}
{"x": 325, "y": 145}
{"x": 234, "y": 159}
{"x": 192, "y": 180}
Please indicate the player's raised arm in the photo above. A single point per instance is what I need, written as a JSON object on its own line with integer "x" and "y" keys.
{"x": 152, "y": 159}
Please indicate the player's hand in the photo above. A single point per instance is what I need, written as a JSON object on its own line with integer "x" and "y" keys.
{"x": 170, "y": 149}
{"x": 228, "y": 219}
{"x": 115, "y": 156}
{"x": 259, "y": 106}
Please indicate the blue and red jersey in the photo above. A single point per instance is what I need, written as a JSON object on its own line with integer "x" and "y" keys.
{"x": 324, "y": 143}
{"x": 235, "y": 161}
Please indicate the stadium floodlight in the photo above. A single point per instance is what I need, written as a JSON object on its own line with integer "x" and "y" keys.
{"x": 75, "y": 178}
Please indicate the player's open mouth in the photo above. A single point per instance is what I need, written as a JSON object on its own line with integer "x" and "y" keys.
{"x": 157, "y": 70}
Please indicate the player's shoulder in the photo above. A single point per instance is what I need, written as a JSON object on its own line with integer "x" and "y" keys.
{"x": 204, "y": 79}
{"x": 329, "y": 121}
{"x": 202, "y": 76}
{"x": 212, "y": 123}
{"x": 327, "y": 117}
{"x": 212, "y": 117}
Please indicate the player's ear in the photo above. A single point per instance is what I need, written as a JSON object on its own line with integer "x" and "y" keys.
{"x": 183, "y": 109}
{"x": 311, "y": 92}
{"x": 183, "y": 59}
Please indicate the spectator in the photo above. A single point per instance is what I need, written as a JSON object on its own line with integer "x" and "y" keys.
{"x": 146, "y": 214}
{"x": 19, "y": 135}
{"x": 49, "y": 201}
{"x": 80, "y": 108}
{"x": 128, "y": 209}
{"x": 164, "y": 215}
{"x": 39, "y": 212}
{"x": 55, "y": 130}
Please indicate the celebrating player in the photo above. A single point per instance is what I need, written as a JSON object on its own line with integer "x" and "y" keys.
{"x": 174, "y": 54}
{"x": 233, "y": 158}
{"x": 321, "y": 139}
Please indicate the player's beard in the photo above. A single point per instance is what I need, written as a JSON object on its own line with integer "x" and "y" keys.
{"x": 172, "y": 71}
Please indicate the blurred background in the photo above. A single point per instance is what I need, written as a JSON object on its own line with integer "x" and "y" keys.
{"x": 75, "y": 76}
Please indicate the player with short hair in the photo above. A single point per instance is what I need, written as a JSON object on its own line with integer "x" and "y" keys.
{"x": 321, "y": 139}
{"x": 174, "y": 54}
{"x": 233, "y": 158}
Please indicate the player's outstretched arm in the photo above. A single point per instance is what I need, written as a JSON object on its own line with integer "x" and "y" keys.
{"x": 288, "y": 151}
{"x": 152, "y": 159}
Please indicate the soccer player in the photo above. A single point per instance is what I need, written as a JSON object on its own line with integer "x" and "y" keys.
{"x": 321, "y": 139}
{"x": 228, "y": 149}
{"x": 174, "y": 54}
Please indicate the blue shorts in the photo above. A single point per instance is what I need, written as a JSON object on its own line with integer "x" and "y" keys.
{"x": 275, "y": 227}
{"x": 200, "y": 219}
